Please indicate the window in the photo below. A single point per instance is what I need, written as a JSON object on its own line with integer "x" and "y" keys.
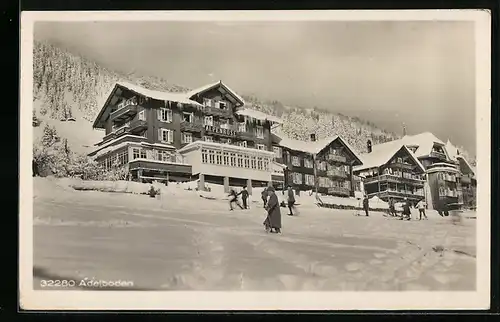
{"x": 260, "y": 146}
{"x": 297, "y": 178}
{"x": 295, "y": 161}
{"x": 253, "y": 162}
{"x": 211, "y": 156}
{"x": 240, "y": 161}
{"x": 218, "y": 157}
{"x": 187, "y": 117}
{"x": 142, "y": 115}
{"x": 208, "y": 139}
{"x": 187, "y": 137}
{"x": 225, "y": 158}
{"x": 165, "y": 115}
{"x": 233, "y": 159}
{"x": 222, "y": 105}
{"x": 308, "y": 163}
{"x": 243, "y": 144}
{"x": 139, "y": 153}
{"x": 208, "y": 120}
{"x": 277, "y": 152}
{"x": 259, "y": 163}
{"x": 309, "y": 179}
{"x": 259, "y": 132}
{"x": 166, "y": 135}
{"x": 247, "y": 161}
{"x": 204, "y": 156}
{"x": 163, "y": 156}
{"x": 207, "y": 102}
{"x": 122, "y": 157}
{"x": 242, "y": 127}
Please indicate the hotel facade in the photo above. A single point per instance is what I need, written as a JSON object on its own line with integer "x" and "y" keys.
{"x": 205, "y": 134}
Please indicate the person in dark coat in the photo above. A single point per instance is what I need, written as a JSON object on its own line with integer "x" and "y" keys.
{"x": 264, "y": 197}
{"x": 392, "y": 208}
{"x": 366, "y": 205}
{"x": 234, "y": 199}
{"x": 273, "y": 219}
{"x": 291, "y": 200}
{"x": 406, "y": 210}
{"x": 244, "y": 197}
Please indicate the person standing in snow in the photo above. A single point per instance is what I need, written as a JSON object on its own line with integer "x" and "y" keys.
{"x": 264, "y": 196}
{"x": 273, "y": 219}
{"x": 392, "y": 208}
{"x": 244, "y": 197}
{"x": 234, "y": 199}
{"x": 366, "y": 205}
{"x": 421, "y": 209}
{"x": 291, "y": 200}
{"x": 406, "y": 210}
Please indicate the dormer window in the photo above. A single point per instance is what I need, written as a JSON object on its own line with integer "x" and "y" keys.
{"x": 187, "y": 117}
{"x": 222, "y": 105}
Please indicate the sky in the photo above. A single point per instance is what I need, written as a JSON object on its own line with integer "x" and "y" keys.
{"x": 419, "y": 73}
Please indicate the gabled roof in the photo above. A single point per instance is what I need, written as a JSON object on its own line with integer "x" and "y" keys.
{"x": 423, "y": 141}
{"x": 312, "y": 147}
{"x": 259, "y": 115}
{"x": 452, "y": 152}
{"x": 382, "y": 155}
{"x": 208, "y": 87}
{"x": 139, "y": 90}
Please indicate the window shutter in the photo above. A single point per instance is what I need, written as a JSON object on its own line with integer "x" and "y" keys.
{"x": 158, "y": 113}
{"x": 169, "y": 118}
{"x": 170, "y": 136}
{"x": 159, "y": 135}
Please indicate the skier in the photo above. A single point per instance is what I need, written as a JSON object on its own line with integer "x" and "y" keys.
{"x": 234, "y": 199}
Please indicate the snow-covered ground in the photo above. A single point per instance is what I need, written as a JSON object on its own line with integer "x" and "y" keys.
{"x": 181, "y": 241}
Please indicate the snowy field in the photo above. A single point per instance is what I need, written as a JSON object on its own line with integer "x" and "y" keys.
{"x": 181, "y": 241}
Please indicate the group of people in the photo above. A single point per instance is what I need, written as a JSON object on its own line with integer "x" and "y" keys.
{"x": 271, "y": 204}
{"x": 421, "y": 205}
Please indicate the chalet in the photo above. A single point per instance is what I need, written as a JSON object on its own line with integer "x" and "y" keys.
{"x": 332, "y": 159}
{"x": 468, "y": 181}
{"x": 442, "y": 172}
{"x": 392, "y": 173}
{"x": 205, "y": 134}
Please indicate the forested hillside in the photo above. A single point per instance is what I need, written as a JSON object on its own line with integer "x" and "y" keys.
{"x": 67, "y": 86}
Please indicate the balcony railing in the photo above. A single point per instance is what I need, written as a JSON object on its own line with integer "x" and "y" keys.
{"x": 394, "y": 178}
{"x": 402, "y": 165}
{"x": 339, "y": 190}
{"x": 121, "y": 128}
{"x": 209, "y": 110}
{"x": 127, "y": 110}
{"x": 336, "y": 173}
{"x": 337, "y": 158}
{"x": 449, "y": 178}
{"x": 137, "y": 125}
{"x": 191, "y": 126}
{"x": 437, "y": 155}
{"x": 395, "y": 193}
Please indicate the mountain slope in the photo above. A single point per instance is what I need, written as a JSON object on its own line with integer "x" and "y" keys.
{"x": 69, "y": 86}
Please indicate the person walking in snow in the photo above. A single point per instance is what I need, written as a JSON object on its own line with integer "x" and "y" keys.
{"x": 406, "y": 210}
{"x": 244, "y": 197}
{"x": 234, "y": 199}
{"x": 273, "y": 219}
{"x": 421, "y": 209}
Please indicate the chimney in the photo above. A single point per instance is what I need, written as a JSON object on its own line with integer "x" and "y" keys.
{"x": 369, "y": 146}
{"x": 313, "y": 137}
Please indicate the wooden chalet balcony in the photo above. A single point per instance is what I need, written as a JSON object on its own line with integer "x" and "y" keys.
{"x": 449, "y": 178}
{"x": 339, "y": 190}
{"x": 438, "y": 155}
{"x": 127, "y": 111}
{"x": 396, "y": 179}
{"x": 336, "y": 173}
{"x": 401, "y": 165}
{"x": 191, "y": 126}
{"x": 247, "y": 136}
{"x": 138, "y": 125}
{"x": 337, "y": 158}
{"x": 209, "y": 110}
{"x": 217, "y": 130}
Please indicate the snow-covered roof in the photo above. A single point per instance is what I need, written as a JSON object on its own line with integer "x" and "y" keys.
{"x": 424, "y": 141}
{"x": 452, "y": 153}
{"x": 381, "y": 156}
{"x": 158, "y": 95}
{"x": 258, "y": 115}
{"x": 207, "y": 87}
{"x": 312, "y": 147}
